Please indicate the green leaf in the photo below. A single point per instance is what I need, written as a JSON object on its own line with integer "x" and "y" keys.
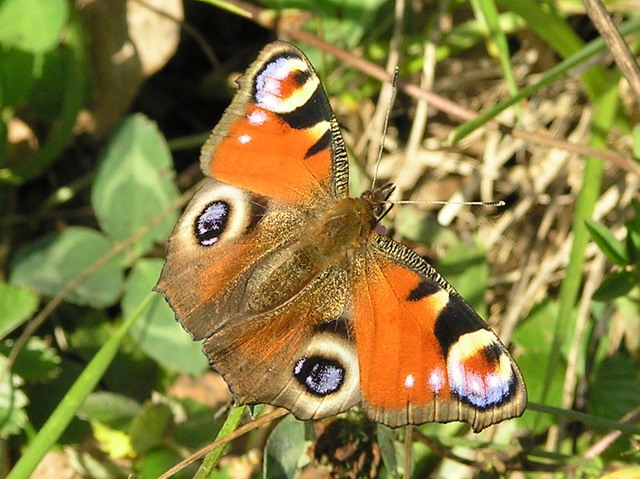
{"x": 37, "y": 362}
{"x": 465, "y": 267}
{"x": 157, "y": 331}
{"x": 149, "y": 427}
{"x": 12, "y": 402}
{"x": 386, "y": 439}
{"x": 635, "y": 135}
{"x": 159, "y": 460}
{"x": 617, "y": 283}
{"x": 613, "y": 249}
{"x": 114, "y": 410}
{"x": 16, "y": 76}
{"x": 615, "y": 388}
{"x": 32, "y": 25}
{"x": 417, "y": 225}
{"x": 200, "y": 426}
{"x": 284, "y": 449}
{"x": 135, "y": 182}
{"x": 16, "y": 306}
{"x": 633, "y": 233}
{"x": 50, "y": 263}
{"x": 46, "y": 97}
{"x": 533, "y": 340}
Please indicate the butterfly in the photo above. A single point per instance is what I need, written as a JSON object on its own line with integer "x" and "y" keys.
{"x": 300, "y": 302}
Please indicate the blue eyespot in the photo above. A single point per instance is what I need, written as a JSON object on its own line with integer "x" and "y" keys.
{"x": 320, "y": 376}
{"x": 212, "y": 222}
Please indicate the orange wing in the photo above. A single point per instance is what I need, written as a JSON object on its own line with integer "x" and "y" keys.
{"x": 424, "y": 354}
{"x": 279, "y": 138}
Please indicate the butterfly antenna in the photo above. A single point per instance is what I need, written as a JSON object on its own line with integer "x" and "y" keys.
{"x": 394, "y": 89}
{"x": 438, "y": 202}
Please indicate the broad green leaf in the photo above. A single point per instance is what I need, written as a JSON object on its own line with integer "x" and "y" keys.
{"x": 466, "y": 268}
{"x": 615, "y": 387}
{"x": 32, "y": 25}
{"x": 617, "y": 283}
{"x": 417, "y": 225}
{"x": 386, "y": 439}
{"x": 114, "y": 410}
{"x": 158, "y": 461}
{"x": 157, "y": 331}
{"x": 284, "y": 449}
{"x": 200, "y": 426}
{"x": 12, "y": 402}
{"x": 47, "y": 94}
{"x": 613, "y": 249}
{"x": 150, "y": 426}
{"x": 115, "y": 443}
{"x": 16, "y": 306}
{"x": 134, "y": 183}
{"x": 37, "y": 362}
{"x": 533, "y": 340}
{"x": 16, "y": 76}
{"x": 50, "y": 263}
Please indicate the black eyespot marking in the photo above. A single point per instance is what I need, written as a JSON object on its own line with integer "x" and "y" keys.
{"x": 457, "y": 318}
{"x": 492, "y": 353}
{"x": 320, "y": 376}
{"x": 212, "y": 222}
{"x": 323, "y": 143}
{"x": 312, "y": 112}
{"x": 301, "y": 77}
{"x": 424, "y": 289}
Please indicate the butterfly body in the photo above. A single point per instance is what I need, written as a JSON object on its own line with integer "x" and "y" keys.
{"x": 300, "y": 302}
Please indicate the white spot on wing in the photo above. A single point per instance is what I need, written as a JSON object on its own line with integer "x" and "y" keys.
{"x": 436, "y": 380}
{"x": 409, "y": 381}
{"x": 257, "y": 118}
{"x": 244, "y": 139}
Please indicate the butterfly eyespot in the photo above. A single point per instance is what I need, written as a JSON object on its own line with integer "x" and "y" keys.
{"x": 319, "y": 376}
{"x": 212, "y": 222}
{"x": 480, "y": 372}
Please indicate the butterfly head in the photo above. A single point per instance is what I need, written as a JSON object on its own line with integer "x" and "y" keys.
{"x": 378, "y": 199}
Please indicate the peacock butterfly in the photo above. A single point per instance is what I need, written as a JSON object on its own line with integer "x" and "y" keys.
{"x": 300, "y": 302}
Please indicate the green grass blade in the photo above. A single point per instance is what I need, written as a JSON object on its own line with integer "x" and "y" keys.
{"x": 64, "y": 413}
{"x": 211, "y": 461}
{"x": 553, "y": 29}
{"x": 487, "y": 12}
{"x": 603, "y": 118}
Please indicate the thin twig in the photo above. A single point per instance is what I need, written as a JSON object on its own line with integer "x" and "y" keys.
{"x": 623, "y": 57}
{"x": 241, "y": 431}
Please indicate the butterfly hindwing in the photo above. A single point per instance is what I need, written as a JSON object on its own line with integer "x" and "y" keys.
{"x": 424, "y": 354}
{"x": 299, "y": 356}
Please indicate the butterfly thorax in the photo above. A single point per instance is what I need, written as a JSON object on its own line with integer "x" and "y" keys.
{"x": 348, "y": 223}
